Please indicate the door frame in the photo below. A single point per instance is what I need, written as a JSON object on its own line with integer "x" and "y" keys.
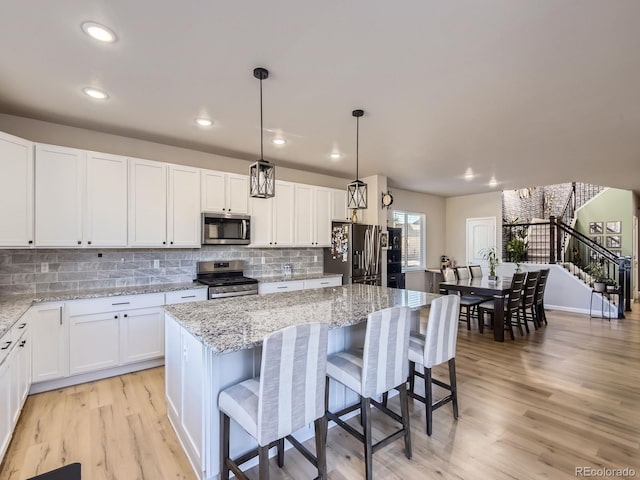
{"x": 495, "y": 234}
{"x": 635, "y": 280}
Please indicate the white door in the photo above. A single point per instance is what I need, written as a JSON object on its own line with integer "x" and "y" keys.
{"x": 323, "y": 212}
{"x": 304, "y": 215}
{"x": 106, "y": 217}
{"x": 283, "y": 218}
{"x": 193, "y": 394}
{"x": 184, "y": 207}
{"x": 261, "y": 222}
{"x": 173, "y": 367}
{"x": 16, "y": 191}
{"x": 237, "y": 193}
{"x": 59, "y": 196}
{"x": 339, "y": 205}
{"x": 147, "y": 203}
{"x": 481, "y": 234}
{"x": 94, "y": 342}
{"x": 50, "y": 347}
{"x": 213, "y": 191}
{"x": 141, "y": 335}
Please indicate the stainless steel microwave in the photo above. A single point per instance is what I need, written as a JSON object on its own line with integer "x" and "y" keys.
{"x": 225, "y": 229}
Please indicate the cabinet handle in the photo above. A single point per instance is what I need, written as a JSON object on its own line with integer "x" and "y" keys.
{"x": 189, "y": 296}
{"x": 115, "y": 316}
{"x": 89, "y": 242}
{"x": 164, "y": 243}
{"x": 125, "y": 315}
{"x": 23, "y": 343}
{"x": 171, "y": 243}
{"x": 60, "y": 314}
{"x": 30, "y": 242}
{"x": 224, "y": 209}
{"x": 324, "y": 283}
{"x": 6, "y": 345}
{"x": 282, "y": 287}
{"x": 121, "y": 303}
{"x": 79, "y": 242}
{"x": 22, "y": 325}
{"x": 270, "y": 243}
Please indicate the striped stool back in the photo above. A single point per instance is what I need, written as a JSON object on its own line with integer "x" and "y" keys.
{"x": 442, "y": 331}
{"x": 385, "y": 355}
{"x": 292, "y": 380}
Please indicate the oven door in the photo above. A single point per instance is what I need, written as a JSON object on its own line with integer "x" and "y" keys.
{"x": 221, "y": 229}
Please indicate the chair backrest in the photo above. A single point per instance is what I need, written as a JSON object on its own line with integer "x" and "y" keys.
{"x": 463, "y": 273}
{"x": 541, "y": 286}
{"x": 385, "y": 361}
{"x": 476, "y": 271}
{"x": 530, "y": 289}
{"x": 292, "y": 380}
{"x": 515, "y": 294}
{"x": 449, "y": 275}
{"x": 442, "y": 330}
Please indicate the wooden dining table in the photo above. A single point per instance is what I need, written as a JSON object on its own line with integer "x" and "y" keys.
{"x": 483, "y": 287}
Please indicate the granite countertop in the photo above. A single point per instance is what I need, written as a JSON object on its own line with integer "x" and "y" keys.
{"x": 295, "y": 276}
{"x": 12, "y": 307}
{"x": 232, "y": 324}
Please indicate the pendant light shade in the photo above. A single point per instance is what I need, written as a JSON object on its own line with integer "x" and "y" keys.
{"x": 357, "y": 190}
{"x": 262, "y": 176}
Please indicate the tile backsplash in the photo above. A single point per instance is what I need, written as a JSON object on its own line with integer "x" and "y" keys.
{"x": 43, "y": 270}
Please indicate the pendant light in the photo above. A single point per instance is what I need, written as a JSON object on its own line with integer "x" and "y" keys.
{"x": 357, "y": 190}
{"x": 262, "y": 178}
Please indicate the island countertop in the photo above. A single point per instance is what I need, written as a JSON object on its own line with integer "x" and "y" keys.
{"x": 232, "y": 324}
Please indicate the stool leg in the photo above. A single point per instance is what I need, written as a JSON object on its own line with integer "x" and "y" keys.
{"x": 365, "y": 413}
{"x": 224, "y": 469}
{"x": 281, "y": 452}
{"x": 404, "y": 407}
{"x": 321, "y": 446}
{"x": 468, "y": 317}
{"x": 263, "y": 458}
{"x": 385, "y": 398}
{"x": 429, "y": 399}
{"x": 326, "y": 394}
{"x": 412, "y": 375}
{"x": 454, "y": 387}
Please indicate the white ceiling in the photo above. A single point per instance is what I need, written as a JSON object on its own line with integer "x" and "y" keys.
{"x": 532, "y": 91}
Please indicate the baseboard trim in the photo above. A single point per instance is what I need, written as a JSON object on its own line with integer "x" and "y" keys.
{"x": 581, "y": 311}
{"x": 92, "y": 376}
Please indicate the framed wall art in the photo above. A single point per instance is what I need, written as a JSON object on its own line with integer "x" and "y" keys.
{"x": 596, "y": 228}
{"x": 596, "y": 239}
{"x": 614, "y": 227}
{"x": 613, "y": 241}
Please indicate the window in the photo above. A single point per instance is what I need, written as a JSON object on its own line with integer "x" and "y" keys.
{"x": 413, "y": 238}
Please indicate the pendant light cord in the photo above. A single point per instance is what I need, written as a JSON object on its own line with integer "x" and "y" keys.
{"x": 357, "y": 146}
{"x": 261, "y": 128}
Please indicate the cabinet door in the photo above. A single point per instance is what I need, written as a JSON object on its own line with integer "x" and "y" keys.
{"x": 25, "y": 367}
{"x": 213, "y": 198}
{"x": 59, "y": 196}
{"x": 50, "y": 347}
{"x": 93, "y": 342}
{"x": 6, "y": 425}
{"x": 141, "y": 335}
{"x": 184, "y": 206}
{"x": 173, "y": 367}
{"x": 147, "y": 203}
{"x": 283, "y": 217}
{"x": 304, "y": 215}
{"x": 193, "y": 394}
{"x": 339, "y": 205}
{"x": 106, "y": 218}
{"x": 322, "y": 208}
{"x": 237, "y": 193}
{"x": 16, "y": 190}
{"x": 261, "y": 222}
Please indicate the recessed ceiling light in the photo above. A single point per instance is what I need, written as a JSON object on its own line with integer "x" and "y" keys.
{"x": 493, "y": 182}
{"x": 203, "y": 122}
{"x": 468, "y": 175}
{"x": 336, "y": 156}
{"x": 99, "y": 32}
{"x": 95, "y": 93}
{"x": 278, "y": 141}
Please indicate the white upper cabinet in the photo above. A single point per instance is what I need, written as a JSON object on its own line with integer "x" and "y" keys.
{"x": 312, "y": 216}
{"x": 16, "y": 191}
{"x": 106, "y": 213}
{"x": 322, "y": 216}
{"x": 183, "y": 225}
{"x": 339, "y": 209}
{"x": 272, "y": 219}
{"x": 147, "y": 203}
{"x": 224, "y": 192}
{"x": 59, "y": 186}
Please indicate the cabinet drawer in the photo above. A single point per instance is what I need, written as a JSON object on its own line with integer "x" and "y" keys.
{"x": 6, "y": 345}
{"x": 113, "y": 304}
{"x": 323, "y": 282}
{"x": 184, "y": 296}
{"x": 20, "y": 328}
{"x": 275, "y": 287}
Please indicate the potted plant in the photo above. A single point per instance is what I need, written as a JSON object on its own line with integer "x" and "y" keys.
{"x": 491, "y": 257}
{"x": 517, "y": 244}
{"x": 611, "y": 285}
{"x": 596, "y": 271}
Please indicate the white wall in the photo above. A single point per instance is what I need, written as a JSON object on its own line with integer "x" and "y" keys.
{"x": 458, "y": 209}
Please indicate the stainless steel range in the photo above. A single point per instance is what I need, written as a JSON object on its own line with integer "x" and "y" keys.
{"x": 226, "y": 279}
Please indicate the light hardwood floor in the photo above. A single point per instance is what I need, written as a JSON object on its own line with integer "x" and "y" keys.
{"x": 565, "y": 396}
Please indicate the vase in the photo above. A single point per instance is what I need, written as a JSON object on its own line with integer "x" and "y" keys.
{"x": 599, "y": 286}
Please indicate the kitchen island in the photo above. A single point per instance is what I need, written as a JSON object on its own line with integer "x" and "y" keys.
{"x": 214, "y": 344}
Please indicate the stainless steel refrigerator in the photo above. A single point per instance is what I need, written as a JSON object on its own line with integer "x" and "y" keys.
{"x": 355, "y": 253}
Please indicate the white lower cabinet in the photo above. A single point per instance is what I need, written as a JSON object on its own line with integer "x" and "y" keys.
{"x": 6, "y": 426}
{"x": 93, "y": 342}
{"x": 141, "y": 335}
{"x": 50, "y": 342}
{"x": 293, "y": 285}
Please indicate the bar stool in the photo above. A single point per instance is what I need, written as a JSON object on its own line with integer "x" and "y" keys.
{"x": 437, "y": 346}
{"x": 287, "y": 396}
{"x": 380, "y": 367}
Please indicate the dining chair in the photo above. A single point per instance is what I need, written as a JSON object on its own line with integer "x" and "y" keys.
{"x": 468, "y": 302}
{"x": 435, "y": 347}
{"x": 539, "y": 300}
{"x": 476, "y": 271}
{"x": 287, "y": 396}
{"x": 528, "y": 301}
{"x": 512, "y": 305}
